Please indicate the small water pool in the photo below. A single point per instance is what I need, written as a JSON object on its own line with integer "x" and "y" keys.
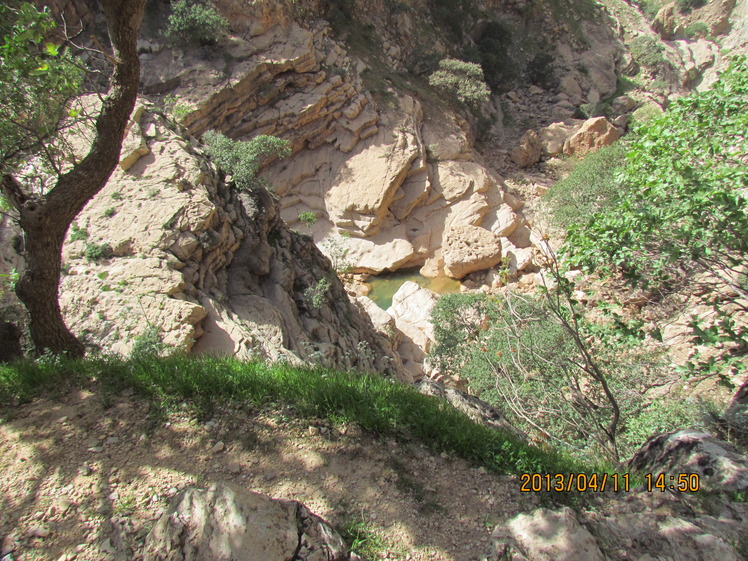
{"x": 384, "y": 286}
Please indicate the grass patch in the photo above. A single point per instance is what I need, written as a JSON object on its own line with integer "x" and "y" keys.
{"x": 379, "y": 405}
{"x": 361, "y": 539}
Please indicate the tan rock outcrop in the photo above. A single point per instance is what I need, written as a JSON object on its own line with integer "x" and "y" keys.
{"x": 212, "y": 271}
{"x": 529, "y": 150}
{"x": 362, "y": 193}
{"x": 554, "y": 136}
{"x": 591, "y": 136}
{"x": 468, "y": 249}
{"x": 411, "y": 309}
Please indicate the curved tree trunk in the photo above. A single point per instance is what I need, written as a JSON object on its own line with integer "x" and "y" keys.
{"x": 45, "y": 219}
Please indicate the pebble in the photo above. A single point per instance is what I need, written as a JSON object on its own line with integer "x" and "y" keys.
{"x": 96, "y": 449}
{"x": 107, "y": 547}
{"x": 38, "y": 531}
{"x": 218, "y": 447}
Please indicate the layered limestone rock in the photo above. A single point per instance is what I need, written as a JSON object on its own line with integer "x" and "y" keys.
{"x": 376, "y": 172}
{"x": 226, "y": 522}
{"x": 167, "y": 245}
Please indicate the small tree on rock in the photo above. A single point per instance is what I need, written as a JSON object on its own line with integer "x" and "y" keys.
{"x": 35, "y": 82}
{"x": 464, "y": 80}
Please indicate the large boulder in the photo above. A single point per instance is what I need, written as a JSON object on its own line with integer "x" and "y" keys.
{"x": 554, "y": 136}
{"x": 411, "y": 308}
{"x": 545, "y": 535}
{"x": 666, "y": 21}
{"x": 719, "y": 465}
{"x": 468, "y": 249}
{"x": 227, "y": 523}
{"x": 594, "y": 134}
{"x": 529, "y": 150}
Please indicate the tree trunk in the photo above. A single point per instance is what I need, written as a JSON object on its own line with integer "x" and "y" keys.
{"x": 45, "y": 219}
{"x": 38, "y": 288}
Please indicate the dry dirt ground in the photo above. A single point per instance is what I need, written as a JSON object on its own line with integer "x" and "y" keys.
{"x": 84, "y": 477}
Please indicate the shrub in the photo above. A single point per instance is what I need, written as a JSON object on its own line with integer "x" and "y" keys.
{"x": 195, "y": 22}
{"x": 493, "y": 55}
{"x": 77, "y": 234}
{"x": 308, "y": 218}
{"x": 96, "y": 252}
{"x": 647, "y": 51}
{"x": 317, "y": 293}
{"x": 687, "y": 5}
{"x": 589, "y": 188}
{"x": 682, "y": 198}
{"x": 542, "y": 72}
{"x": 518, "y": 355}
{"x": 682, "y": 208}
{"x": 464, "y": 80}
{"x": 589, "y": 110}
{"x": 697, "y": 29}
{"x": 243, "y": 159}
{"x": 149, "y": 344}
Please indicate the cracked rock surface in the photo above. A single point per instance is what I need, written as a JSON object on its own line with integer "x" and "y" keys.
{"x": 225, "y": 522}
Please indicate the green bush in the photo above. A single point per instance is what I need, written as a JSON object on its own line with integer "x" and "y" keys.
{"x": 541, "y": 71}
{"x": 243, "y": 159}
{"x": 681, "y": 209}
{"x": 647, "y": 51}
{"x": 464, "y": 80}
{"x": 517, "y": 355}
{"x": 589, "y": 188}
{"x": 697, "y": 29}
{"x": 316, "y": 294}
{"x": 688, "y": 5}
{"x": 37, "y": 79}
{"x": 97, "y": 252}
{"x": 682, "y": 199}
{"x": 492, "y": 52}
{"x": 148, "y": 345}
{"x": 195, "y": 22}
{"x": 77, "y": 233}
{"x": 308, "y": 218}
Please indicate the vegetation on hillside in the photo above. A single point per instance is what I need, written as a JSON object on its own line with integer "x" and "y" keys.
{"x": 463, "y": 80}
{"x": 243, "y": 159}
{"x": 666, "y": 206}
{"x": 574, "y": 385}
{"x": 195, "y": 22}
{"x": 681, "y": 201}
{"x": 377, "y": 404}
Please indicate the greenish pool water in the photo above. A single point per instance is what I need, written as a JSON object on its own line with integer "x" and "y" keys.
{"x": 384, "y": 286}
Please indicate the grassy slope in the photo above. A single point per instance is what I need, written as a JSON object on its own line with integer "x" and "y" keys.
{"x": 377, "y": 404}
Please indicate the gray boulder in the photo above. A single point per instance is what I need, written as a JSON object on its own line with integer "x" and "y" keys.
{"x": 227, "y": 523}
{"x": 719, "y": 465}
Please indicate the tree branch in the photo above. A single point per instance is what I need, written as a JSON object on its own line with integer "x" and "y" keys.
{"x": 12, "y": 190}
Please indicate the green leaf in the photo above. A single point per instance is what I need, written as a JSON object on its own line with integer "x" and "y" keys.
{"x": 52, "y": 49}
